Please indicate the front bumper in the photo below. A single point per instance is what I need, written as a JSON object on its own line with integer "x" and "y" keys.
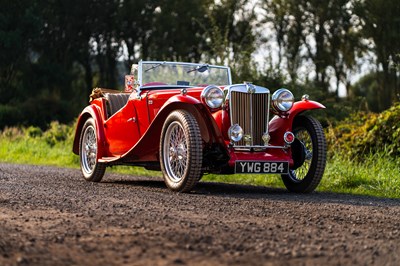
{"x": 270, "y": 155}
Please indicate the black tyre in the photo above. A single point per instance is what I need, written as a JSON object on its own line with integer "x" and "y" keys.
{"x": 92, "y": 170}
{"x": 309, "y": 155}
{"x": 181, "y": 151}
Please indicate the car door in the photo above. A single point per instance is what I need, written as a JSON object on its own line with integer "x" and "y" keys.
{"x": 122, "y": 130}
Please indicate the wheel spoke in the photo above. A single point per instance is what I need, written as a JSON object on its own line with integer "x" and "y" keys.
{"x": 300, "y": 173}
{"x": 176, "y": 148}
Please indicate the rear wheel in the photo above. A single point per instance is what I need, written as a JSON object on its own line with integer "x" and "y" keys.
{"x": 309, "y": 155}
{"x": 181, "y": 151}
{"x": 92, "y": 170}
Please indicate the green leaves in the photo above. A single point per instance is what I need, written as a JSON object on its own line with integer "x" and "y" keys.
{"x": 363, "y": 134}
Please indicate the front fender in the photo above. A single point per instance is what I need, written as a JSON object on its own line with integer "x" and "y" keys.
{"x": 147, "y": 148}
{"x": 91, "y": 111}
{"x": 302, "y": 106}
{"x": 181, "y": 99}
{"x": 210, "y": 131}
{"x": 279, "y": 125}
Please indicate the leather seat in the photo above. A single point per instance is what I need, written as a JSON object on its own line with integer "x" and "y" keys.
{"x": 115, "y": 101}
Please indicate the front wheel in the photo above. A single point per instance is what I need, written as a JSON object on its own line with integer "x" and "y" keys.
{"x": 181, "y": 151}
{"x": 92, "y": 170}
{"x": 309, "y": 156}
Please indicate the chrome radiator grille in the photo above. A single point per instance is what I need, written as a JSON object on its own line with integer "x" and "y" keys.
{"x": 251, "y": 112}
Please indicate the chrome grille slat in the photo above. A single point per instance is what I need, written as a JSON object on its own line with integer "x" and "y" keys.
{"x": 251, "y": 112}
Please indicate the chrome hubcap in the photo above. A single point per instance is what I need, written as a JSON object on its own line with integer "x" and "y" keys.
{"x": 175, "y": 152}
{"x": 305, "y": 138}
{"x": 89, "y": 150}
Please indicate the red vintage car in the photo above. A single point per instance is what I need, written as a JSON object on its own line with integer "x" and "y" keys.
{"x": 188, "y": 119}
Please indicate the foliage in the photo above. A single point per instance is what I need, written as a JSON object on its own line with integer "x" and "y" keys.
{"x": 365, "y": 134}
{"x": 380, "y": 24}
{"x": 321, "y": 35}
{"x": 230, "y": 39}
{"x": 52, "y": 53}
{"x": 57, "y": 133}
{"x": 367, "y": 88}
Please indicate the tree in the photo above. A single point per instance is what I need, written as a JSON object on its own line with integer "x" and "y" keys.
{"x": 18, "y": 30}
{"x": 323, "y": 32}
{"x": 230, "y": 39}
{"x": 381, "y": 24}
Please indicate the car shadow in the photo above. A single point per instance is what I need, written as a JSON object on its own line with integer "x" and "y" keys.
{"x": 228, "y": 190}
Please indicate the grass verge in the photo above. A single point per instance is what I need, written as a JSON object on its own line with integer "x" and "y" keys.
{"x": 375, "y": 176}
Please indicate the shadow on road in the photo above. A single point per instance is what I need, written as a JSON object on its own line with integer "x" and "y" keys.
{"x": 259, "y": 192}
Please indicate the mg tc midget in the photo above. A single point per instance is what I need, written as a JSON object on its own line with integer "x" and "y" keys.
{"x": 187, "y": 119}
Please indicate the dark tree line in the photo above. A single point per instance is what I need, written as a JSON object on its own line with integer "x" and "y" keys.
{"x": 334, "y": 37}
{"x": 53, "y": 52}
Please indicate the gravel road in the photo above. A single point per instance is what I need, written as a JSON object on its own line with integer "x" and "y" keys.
{"x": 51, "y": 216}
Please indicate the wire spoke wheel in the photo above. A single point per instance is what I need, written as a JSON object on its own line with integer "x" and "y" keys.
{"x": 309, "y": 156}
{"x": 181, "y": 151}
{"x": 176, "y": 146}
{"x": 89, "y": 153}
{"x": 92, "y": 170}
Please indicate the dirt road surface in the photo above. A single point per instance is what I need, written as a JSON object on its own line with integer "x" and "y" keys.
{"x": 51, "y": 216}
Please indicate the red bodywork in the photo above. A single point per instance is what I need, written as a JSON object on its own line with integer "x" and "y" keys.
{"x": 132, "y": 134}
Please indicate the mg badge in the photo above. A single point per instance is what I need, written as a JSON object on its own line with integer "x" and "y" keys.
{"x": 250, "y": 88}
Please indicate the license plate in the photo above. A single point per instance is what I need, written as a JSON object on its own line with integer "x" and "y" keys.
{"x": 252, "y": 167}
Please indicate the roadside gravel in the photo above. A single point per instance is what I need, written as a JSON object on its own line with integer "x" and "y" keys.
{"x": 52, "y": 216}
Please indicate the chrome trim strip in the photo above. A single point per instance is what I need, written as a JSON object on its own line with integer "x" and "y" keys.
{"x": 251, "y": 120}
{"x": 260, "y": 147}
{"x": 166, "y": 87}
{"x": 139, "y": 78}
{"x": 267, "y": 122}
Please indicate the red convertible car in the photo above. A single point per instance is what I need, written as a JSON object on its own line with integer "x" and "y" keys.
{"x": 188, "y": 119}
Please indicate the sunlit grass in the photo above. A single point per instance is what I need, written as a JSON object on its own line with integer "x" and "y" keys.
{"x": 376, "y": 176}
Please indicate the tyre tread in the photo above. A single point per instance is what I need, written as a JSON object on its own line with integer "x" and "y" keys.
{"x": 195, "y": 151}
{"x": 310, "y": 183}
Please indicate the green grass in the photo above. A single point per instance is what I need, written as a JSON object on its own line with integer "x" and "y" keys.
{"x": 36, "y": 151}
{"x": 375, "y": 176}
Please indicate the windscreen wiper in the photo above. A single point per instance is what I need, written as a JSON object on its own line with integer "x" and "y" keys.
{"x": 201, "y": 68}
{"x": 155, "y": 66}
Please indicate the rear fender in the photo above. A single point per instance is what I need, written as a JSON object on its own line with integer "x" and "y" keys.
{"x": 91, "y": 111}
{"x": 279, "y": 125}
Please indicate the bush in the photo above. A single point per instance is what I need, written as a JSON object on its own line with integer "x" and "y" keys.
{"x": 363, "y": 134}
{"x": 12, "y": 133}
{"x": 57, "y": 133}
{"x": 34, "y": 132}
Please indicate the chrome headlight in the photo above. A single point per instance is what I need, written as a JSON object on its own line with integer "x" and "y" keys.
{"x": 282, "y": 100}
{"x": 212, "y": 96}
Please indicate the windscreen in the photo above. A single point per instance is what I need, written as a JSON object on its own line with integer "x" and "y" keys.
{"x": 185, "y": 74}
